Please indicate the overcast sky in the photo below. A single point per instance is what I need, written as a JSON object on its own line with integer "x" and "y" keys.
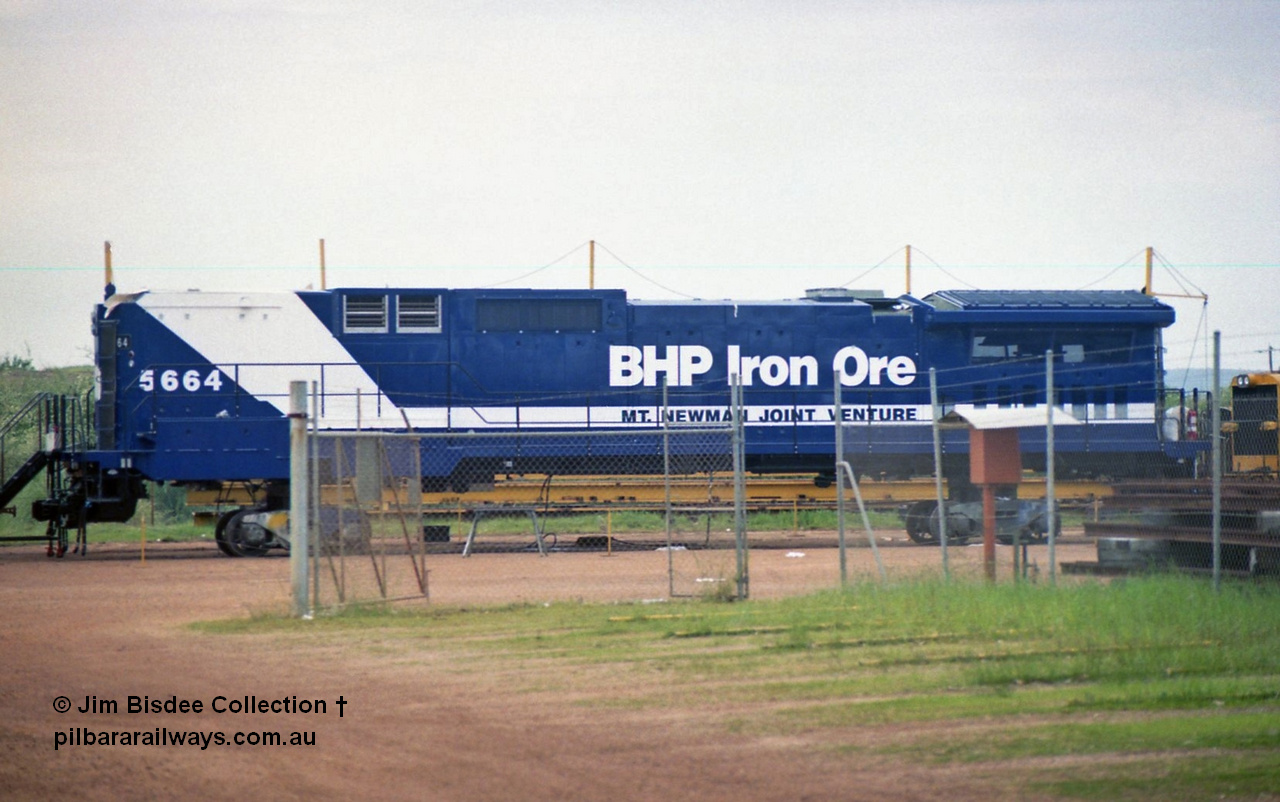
{"x": 713, "y": 149}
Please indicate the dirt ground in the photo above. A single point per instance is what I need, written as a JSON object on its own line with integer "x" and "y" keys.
{"x": 110, "y": 626}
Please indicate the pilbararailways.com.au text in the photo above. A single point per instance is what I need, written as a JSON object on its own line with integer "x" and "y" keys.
{"x": 163, "y": 736}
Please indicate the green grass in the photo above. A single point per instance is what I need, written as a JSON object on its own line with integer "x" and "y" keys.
{"x": 114, "y": 533}
{"x": 1241, "y": 775}
{"x": 630, "y": 521}
{"x": 1235, "y": 730}
{"x": 1158, "y": 670}
{"x": 173, "y": 522}
{"x": 166, "y": 533}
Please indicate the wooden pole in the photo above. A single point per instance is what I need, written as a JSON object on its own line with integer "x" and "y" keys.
{"x": 908, "y": 270}
{"x": 106, "y": 256}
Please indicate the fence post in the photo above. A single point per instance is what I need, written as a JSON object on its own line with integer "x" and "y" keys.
{"x": 839, "y": 415}
{"x": 1216, "y": 456}
{"x": 937, "y": 471}
{"x": 314, "y": 517}
{"x": 666, "y": 491}
{"x": 299, "y": 487}
{"x": 739, "y": 489}
{"x": 1050, "y": 474}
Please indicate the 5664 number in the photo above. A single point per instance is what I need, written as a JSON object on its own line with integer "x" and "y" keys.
{"x": 171, "y": 381}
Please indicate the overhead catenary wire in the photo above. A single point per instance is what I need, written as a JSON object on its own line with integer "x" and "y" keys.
{"x": 1114, "y": 270}
{"x": 538, "y": 270}
{"x": 1178, "y": 277}
{"x": 871, "y": 269}
{"x": 915, "y": 251}
{"x": 1202, "y": 323}
{"x": 942, "y": 269}
{"x": 657, "y": 284}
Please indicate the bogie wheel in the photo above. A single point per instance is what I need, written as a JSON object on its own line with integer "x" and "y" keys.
{"x": 917, "y": 523}
{"x": 243, "y": 539}
{"x": 220, "y": 533}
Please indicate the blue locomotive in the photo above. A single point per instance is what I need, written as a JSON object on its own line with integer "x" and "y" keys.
{"x": 193, "y": 386}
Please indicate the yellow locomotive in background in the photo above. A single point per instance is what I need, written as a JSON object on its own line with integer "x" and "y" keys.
{"x": 1252, "y": 444}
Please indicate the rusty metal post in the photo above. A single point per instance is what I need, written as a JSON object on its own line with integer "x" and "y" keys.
{"x": 989, "y": 531}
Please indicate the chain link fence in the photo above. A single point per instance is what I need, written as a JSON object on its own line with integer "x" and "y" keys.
{"x": 366, "y": 516}
{"x": 1122, "y": 480}
{"x": 404, "y": 516}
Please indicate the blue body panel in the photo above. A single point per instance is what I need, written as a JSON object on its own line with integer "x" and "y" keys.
{"x": 201, "y": 378}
